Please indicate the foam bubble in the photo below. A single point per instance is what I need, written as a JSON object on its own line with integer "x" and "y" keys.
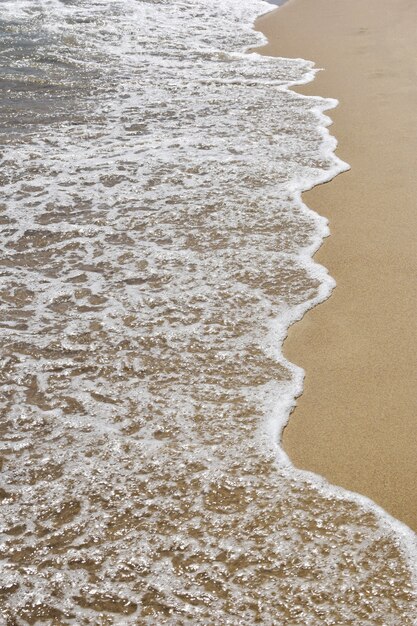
{"x": 155, "y": 251}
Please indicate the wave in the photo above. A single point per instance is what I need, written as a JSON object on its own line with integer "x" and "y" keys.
{"x": 156, "y": 250}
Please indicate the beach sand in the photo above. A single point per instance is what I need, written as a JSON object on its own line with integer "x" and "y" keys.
{"x": 356, "y": 422}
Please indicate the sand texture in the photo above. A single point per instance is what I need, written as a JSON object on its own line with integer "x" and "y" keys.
{"x": 356, "y": 422}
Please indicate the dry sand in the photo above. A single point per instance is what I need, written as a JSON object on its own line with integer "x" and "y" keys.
{"x": 356, "y": 423}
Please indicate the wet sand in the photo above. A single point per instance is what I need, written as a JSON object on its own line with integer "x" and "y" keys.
{"x": 356, "y": 422}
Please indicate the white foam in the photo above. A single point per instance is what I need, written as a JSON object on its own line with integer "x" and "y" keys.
{"x": 166, "y": 250}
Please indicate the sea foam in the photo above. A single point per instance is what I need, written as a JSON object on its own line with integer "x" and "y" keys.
{"x": 156, "y": 249}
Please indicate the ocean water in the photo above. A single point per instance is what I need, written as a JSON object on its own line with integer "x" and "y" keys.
{"x": 154, "y": 250}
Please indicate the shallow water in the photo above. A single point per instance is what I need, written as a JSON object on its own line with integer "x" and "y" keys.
{"x": 154, "y": 250}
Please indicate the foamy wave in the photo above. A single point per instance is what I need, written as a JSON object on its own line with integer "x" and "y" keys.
{"x": 156, "y": 249}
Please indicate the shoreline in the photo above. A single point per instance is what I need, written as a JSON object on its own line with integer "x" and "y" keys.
{"x": 355, "y": 423}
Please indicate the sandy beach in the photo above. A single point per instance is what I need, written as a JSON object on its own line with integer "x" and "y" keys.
{"x": 154, "y": 252}
{"x": 356, "y": 421}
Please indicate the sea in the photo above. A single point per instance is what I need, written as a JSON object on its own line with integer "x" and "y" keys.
{"x": 155, "y": 249}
